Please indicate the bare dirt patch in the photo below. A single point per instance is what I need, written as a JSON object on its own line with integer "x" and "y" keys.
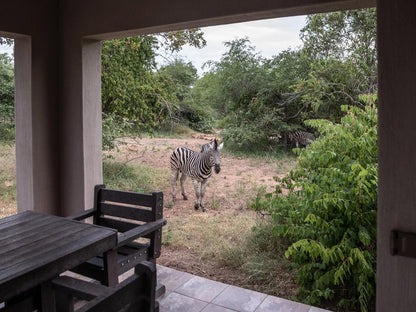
{"x": 226, "y": 198}
{"x": 239, "y": 179}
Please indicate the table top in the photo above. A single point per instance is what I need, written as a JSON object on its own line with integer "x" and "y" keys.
{"x": 35, "y": 248}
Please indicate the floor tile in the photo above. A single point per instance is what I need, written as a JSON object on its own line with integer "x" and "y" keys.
{"x": 201, "y": 288}
{"x": 171, "y": 278}
{"x": 274, "y": 304}
{"x": 239, "y": 299}
{"x": 215, "y": 308}
{"x": 174, "y": 302}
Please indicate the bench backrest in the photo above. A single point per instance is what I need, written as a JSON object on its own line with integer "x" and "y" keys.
{"x": 124, "y": 211}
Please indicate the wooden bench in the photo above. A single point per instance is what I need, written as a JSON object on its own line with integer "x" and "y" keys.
{"x": 137, "y": 293}
{"x": 135, "y": 216}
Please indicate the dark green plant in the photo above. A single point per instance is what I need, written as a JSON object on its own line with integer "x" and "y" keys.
{"x": 330, "y": 211}
{"x": 132, "y": 89}
{"x": 341, "y": 47}
{"x": 6, "y": 89}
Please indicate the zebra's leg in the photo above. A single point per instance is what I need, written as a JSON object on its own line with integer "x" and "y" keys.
{"x": 183, "y": 178}
{"x": 196, "y": 187}
{"x": 203, "y": 187}
{"x": 175, "y": 174}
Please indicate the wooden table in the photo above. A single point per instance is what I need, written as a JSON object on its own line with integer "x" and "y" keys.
{"x": 35, "y": 248}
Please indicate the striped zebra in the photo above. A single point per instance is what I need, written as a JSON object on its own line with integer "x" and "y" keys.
{"x": 208, "y": 146}
{"x": 301, "y": 138}
{"x": 197, "y": 166}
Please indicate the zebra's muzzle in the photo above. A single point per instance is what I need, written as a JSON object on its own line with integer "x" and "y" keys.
{"x": 217, "y": 168}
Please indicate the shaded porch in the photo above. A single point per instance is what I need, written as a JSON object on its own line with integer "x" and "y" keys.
{"x": 188, "y": 292}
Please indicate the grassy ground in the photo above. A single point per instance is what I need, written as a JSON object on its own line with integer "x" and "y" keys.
{"x": 229, "y": 243}
{"x": 8, "y": 205}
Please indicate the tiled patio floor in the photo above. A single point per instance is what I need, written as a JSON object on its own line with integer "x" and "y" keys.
{"x": 189, "y": 293}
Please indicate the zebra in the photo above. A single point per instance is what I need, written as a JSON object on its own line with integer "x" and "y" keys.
{"x": 198, "y": 166}
{"x": 207, "y": 146}
{"x": 301, "y": 138}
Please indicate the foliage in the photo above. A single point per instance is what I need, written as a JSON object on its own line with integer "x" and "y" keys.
{"x": 183, "y": 76}
{"x": 173, "y": 41}
{"x": 113, "y": 127}
{"x": 6, "y": 41}
{"x": 130, "y": 89}
{"x": 341, "y": 47}
{"x": 343, "y": 35}
{"x": 330, "y": 211}
{"x": 259, "y": 100}
{"x": 6, "y": 88}
{"x": 6, "y": 99}
{"x": 247, "y": 96}
{"x": 188, "y": 112}
{"x": 330, "y": 84}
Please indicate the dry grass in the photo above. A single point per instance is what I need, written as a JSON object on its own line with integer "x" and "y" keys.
{"x": 8, "y": 205}
{"x": 210, "y": 235}
{"x": 230, "y": 246}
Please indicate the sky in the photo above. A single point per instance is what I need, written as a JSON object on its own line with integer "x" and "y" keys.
{"x": 5, "y": 49}
{"x": 269, "y": 37}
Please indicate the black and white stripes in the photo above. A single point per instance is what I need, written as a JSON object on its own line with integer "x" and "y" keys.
{"x": 301, "y": 138}
{"x": 197, "y": 166}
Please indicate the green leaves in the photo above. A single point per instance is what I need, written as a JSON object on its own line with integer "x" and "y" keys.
{"x": 330, "y": 212}
{"x": 6, "y": 88}
{"x": 133, "y": 92}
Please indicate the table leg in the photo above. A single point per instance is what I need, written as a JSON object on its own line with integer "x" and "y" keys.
{"x": 47, "y": 298}
{"x": 110, "y": 268}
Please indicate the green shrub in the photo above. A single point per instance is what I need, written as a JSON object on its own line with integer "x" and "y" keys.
{"x": 330, "y": 211}
{"x": 7, "y": 133}
{"x": 196, "y": 118}
{"x": 113, "y": 127}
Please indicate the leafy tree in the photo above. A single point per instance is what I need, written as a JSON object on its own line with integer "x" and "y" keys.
{"x": 132, "y": 90}
{"x": 342, "y": 50}
{"x": 6, "y": 41}
{"x": 6, "y": 98}
{"x": 256, "y": 95}
{"x": 344, "y": 35}
{"x": 286, "y": 70}
{"x": 173, "y": 41}
{"x": 183, "y": 76}
{"x": 330, "y": 211}
{"x": 243, "y": 81}
{"x": 199, "y": 109}
{"x": 206, "y": 94}
{"x": 6, "y": 87}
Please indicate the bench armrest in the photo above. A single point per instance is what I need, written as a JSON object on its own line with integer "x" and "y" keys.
{"x": 140, "y": 231}
{"x": 79, "y": 288}
{"x": 82, "y": 215}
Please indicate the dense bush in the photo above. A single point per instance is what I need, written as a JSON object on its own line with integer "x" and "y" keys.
{"x": 195, "y": 117}
{"x": 329, "y": 212}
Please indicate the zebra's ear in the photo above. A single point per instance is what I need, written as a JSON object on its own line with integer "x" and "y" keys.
{"x": 221, "y": 146}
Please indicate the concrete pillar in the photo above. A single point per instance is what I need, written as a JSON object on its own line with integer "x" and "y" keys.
{"x": 37, "y": 153}
{"x": 24, "y": 123}
{"x": 80, "y": 135}
{"x": 91, "y": 99}
{"x": 396, "y": 282}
